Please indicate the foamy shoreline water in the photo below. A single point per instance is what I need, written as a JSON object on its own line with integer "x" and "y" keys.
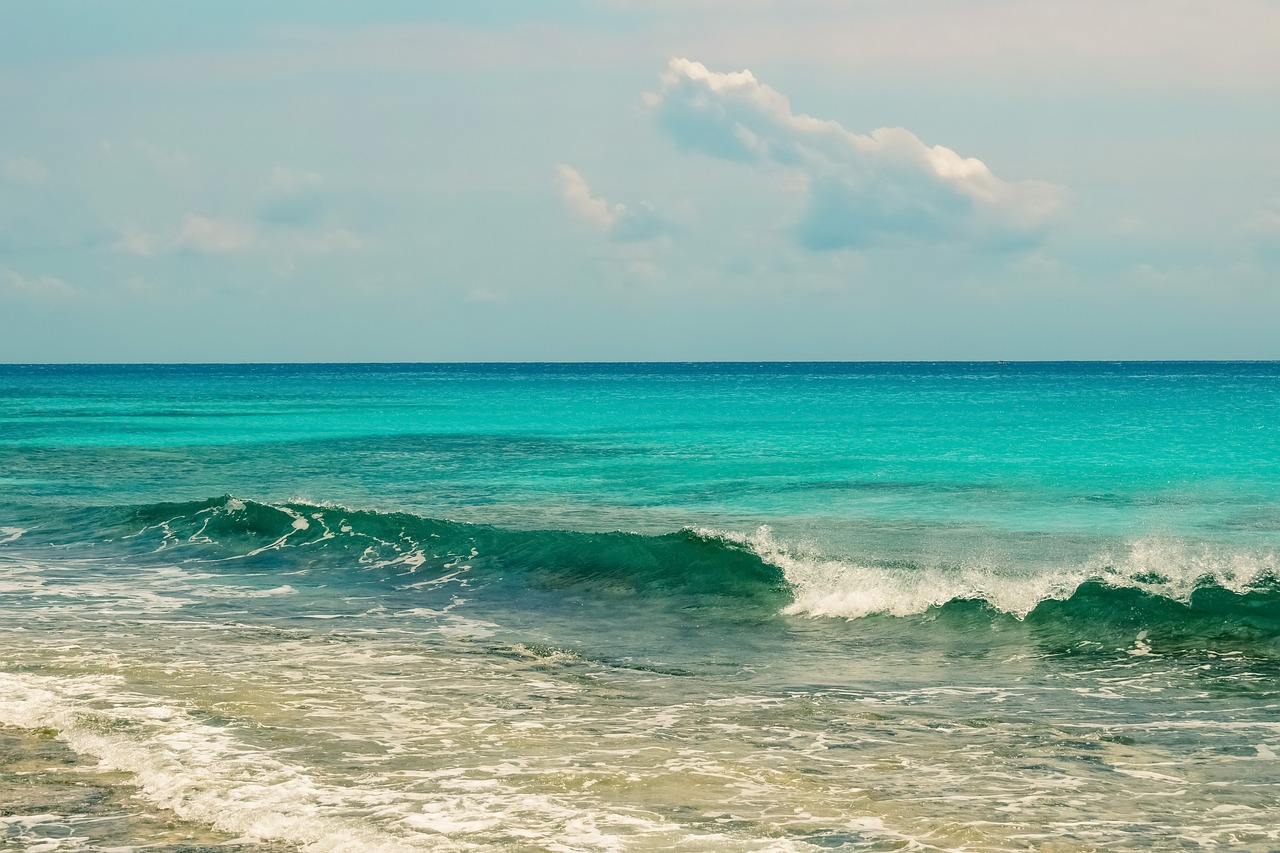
{"x": 57, "y": 800}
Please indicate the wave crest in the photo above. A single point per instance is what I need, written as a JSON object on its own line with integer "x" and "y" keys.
{"x": 827, "y": 587}
{"x": 685, "y": 566}
{"x": 755, "y": 574}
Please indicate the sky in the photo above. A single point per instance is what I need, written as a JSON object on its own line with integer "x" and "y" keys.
{"x": 614, "y": 180}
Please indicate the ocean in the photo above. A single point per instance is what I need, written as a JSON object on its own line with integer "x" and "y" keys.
{"x": 640, "y": 607}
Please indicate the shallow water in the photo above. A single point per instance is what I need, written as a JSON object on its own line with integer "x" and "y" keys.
{"x": 54, "y": 800}
{"x": 864, "y": 607}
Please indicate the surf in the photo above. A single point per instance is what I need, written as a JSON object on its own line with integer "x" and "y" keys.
{"x": 1180, "y": 592}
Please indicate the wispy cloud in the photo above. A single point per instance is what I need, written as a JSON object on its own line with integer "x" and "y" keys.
{"x": 862, "y": 187}
{"x": 137, "y": 241}
{"x": 208, "y": 236}
{"x": 25, "y": 170}
{"x": 618, "y": 221}
{"x": 592, "y": 210}
{"x": 34, "y": 287}
{"x": 197, "y": 234}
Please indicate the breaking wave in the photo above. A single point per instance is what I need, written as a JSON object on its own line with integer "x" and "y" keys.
{"x": 1150, "y": 584}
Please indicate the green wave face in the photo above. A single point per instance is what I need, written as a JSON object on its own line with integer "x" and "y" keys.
{"x": 686, "y": 567}
{"x": 1213, "y": 618}
{"x": 406, "y": 555}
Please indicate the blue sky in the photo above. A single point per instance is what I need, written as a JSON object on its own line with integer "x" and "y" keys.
{"x": 616, "y": 179}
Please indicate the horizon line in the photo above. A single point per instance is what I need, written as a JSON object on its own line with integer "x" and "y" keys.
{"x": 641, "y": 361}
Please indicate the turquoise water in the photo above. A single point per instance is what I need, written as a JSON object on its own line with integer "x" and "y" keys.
{"x": 642, "y": 607}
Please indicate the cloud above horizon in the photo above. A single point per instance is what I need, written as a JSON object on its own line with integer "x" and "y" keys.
{"x": 862, "y": 188}
{"x": 861, "y": 192}
{"x": 24, "y": 170}
{"x": 618, "y": 221}
{"x": 196, "y": 234}
{"x": 33, "y": 287}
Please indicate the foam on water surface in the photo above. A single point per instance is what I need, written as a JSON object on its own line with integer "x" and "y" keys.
{"x": 347, "y": 741}
{"x": 197, "y": 771}
{"x": 825, "y": 586}
{"x": 205, "y": 773}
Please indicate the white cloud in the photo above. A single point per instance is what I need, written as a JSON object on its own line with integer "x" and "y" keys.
{"x": 592, "y": 210}
{"x": 40, "y": 287}
{"x": 24, "y": 170}
{"x": 204, "y": 235}
{"x": 136, "y": 241}
{"x": 197, "y": 234}
{"x": 861, "y": 187}
{"x": 616, "y": 220}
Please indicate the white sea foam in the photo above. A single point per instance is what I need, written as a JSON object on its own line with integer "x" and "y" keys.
{"x": 238, "y": 592}
{"x": 831, "y": 587}
{"x": 11, "y": 534}
{"x": 198, "y": 771}
{"x": 210, "y": 774}
{"x": 452, "y": 749}
{"x": 78, "y": 585}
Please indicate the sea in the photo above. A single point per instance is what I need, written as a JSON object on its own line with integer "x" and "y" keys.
{"x": 640, "y": 607}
